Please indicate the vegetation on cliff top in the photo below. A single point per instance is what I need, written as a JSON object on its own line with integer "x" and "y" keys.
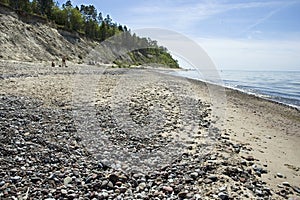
{"x": 88, "y": 22}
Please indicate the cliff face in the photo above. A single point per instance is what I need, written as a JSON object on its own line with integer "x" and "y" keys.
{"x": 37, "y": 41}
{"x": 33, "y": 38}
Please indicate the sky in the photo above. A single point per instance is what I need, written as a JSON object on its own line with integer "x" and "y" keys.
{"x": 235, "y": 34}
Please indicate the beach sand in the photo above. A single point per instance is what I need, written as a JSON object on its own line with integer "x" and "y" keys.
{"x": 250, "y": 151}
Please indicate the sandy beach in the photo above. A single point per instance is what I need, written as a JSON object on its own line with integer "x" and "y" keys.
{"x": 116, "y": 133}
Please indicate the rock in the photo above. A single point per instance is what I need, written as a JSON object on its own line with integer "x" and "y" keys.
{"x": 194, "y": 175}
{"x": 213, "y": 178}
{"x": 280, "y": 186}
{"x": 104, "y": 183}
{"x": 182, "y": 195}
{"x": 113, "y": 178}
{"x": 223, "y": 189}
{"x": 287, "y": 184}
{"x": 244, "y": 162}
{"x": 110, "y": 184}
{"x": 16, "y": 178}
{"x": 258, "y": 192}
{"x": 63, "y": 191}
{"x": 104, "y": 194}
{"x": 138, "y": 175}
{"x": 167, "y": 188}
{"x": 207, "y": 181}
{"x": 242, "y": 179}
{"x": 248, "y": 158}
{"x": 142, "y": 185}
{"x": 26, "y": 134}
{"x": 189, "y": 195}
{"x": 223, "y": 196}
{"x": 118, "y": 183}
{"x": 122, "y": 189}
{"x": 296, "y": 189}
{"x": 2, "y": 183}
{"x": 67, "y": 180}
{"x": 72, "y": 196}
{"x": 279, "y": 175}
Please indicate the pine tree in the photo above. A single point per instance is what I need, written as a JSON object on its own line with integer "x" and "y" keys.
{"x": 45, "y": 7}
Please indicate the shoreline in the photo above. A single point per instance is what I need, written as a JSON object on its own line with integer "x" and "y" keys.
{"x": 240, "y": 90}
{"x": 253, "y": 153}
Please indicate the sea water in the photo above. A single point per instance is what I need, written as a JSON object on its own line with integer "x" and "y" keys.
{"x": 279, "y": 86}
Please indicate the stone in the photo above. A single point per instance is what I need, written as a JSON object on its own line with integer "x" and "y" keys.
{"x": 2, "y": 183}
{"x": 16, "y": 178}
{"x": 223, "y": 189}
{"x": 142, "y": 185}
{"x": 67, "y": 180}
{"x": 122, "y": 189}
{"x": 182, "y": 195}
{"x": 63, "y": 191}
{"x": 279, "y": 175}
{"x": 296, "y": 189}
{"x": 104, "y": 183}
{"x": 104, "y": 195}
{"x": 194, "y": 175}
{"x": 223, "y": 196}
{"x": 280, "y": 186}
{"x": 197, "y": 196}
{"x": 287, "y": 184}
{"x": 167, "y": 188}
{"x": 113, "y": 178}
{"x": 242, "y": 179}
{"x": 258, "y": 192}
{"x": 213, "y": 178}
{"x": 207, "y": 181}
{"x": 249, "y": 158}
{"x": 26, "y": 134}
{"x": 110, "y": 184}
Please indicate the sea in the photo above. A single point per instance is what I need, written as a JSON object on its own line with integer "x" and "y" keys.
{"x": 279, "y": 86}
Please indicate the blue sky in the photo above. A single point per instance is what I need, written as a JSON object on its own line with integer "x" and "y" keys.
{"x": 236, "y": 34}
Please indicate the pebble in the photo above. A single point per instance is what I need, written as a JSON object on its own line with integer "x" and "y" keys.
{"x": 142, "y": 185}
{"x": 67, "y": 180}
{"x": 296, "y": 189}
{"x": 16, "y": 178}
{"x": 213, "y": 178}
{"x": 223, "y": 196}
{"x": 280, "y": 175}
{"x": 258, "y": 192}
{"x": 194, "y": 175}
{"x": 63, "y": 191}
{"x": 286, "y": 184}
{"x": 104, "y": 194}
{"x": 182, "y": 194}
{"x": 222, "y": 189}
{"x": 168, "y": 188}
{"x": 113, "y": 178}
{"x": 2, "y": 183}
